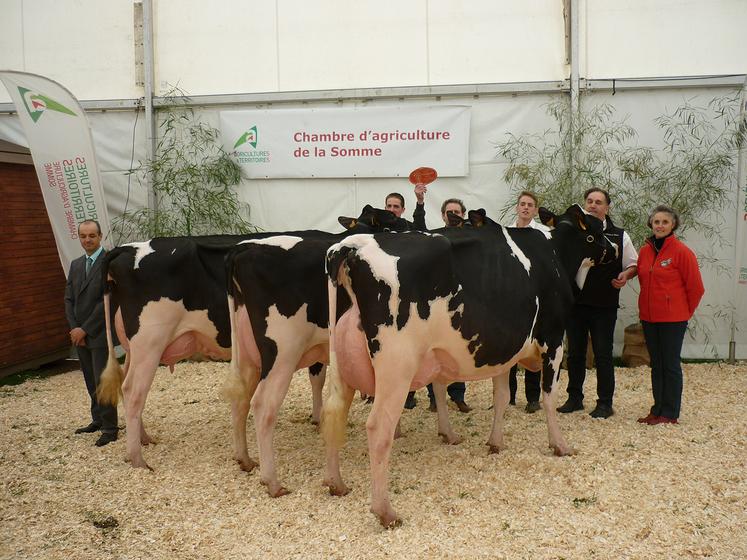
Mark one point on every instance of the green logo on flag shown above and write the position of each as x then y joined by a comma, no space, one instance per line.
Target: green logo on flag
36,104
249,137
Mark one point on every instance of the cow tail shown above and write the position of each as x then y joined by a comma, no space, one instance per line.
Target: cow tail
110,383
334,412
234,387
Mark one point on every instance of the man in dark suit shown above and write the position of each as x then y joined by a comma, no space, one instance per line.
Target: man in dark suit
84,309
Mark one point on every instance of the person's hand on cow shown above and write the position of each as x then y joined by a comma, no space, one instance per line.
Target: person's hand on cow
420,190
78,336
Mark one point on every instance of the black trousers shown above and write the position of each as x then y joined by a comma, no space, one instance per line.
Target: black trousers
599,322
531,384
664,343
92,362
455,390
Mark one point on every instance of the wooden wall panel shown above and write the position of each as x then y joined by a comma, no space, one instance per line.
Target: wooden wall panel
32,284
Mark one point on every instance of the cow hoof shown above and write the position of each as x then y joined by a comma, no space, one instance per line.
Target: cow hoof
145,438
389,520
140,464
337,489
562,451
452,439
494,449
274,489
281,491
247,465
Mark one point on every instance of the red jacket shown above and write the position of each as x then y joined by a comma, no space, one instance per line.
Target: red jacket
671,286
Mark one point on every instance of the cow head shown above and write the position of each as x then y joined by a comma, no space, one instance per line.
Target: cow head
579,239
373,220
478,218
456,221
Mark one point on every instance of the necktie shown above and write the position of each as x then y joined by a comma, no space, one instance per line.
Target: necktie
89,264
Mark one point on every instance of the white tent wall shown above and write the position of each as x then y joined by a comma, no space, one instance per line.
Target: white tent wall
237,47
662,38
297,45
234,46
712,323
86,45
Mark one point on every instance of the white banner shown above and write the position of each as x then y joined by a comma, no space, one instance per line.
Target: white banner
60,142
362,142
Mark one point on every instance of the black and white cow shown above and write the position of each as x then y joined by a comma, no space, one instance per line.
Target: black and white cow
278,289
464,304
170,297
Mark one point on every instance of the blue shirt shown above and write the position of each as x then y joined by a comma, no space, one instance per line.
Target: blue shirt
95,255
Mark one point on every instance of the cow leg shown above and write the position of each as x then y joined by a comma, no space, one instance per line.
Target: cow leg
552,368
444,426
317,384
248,377
145,439
135,389
500,402
266,403
380,428
334,425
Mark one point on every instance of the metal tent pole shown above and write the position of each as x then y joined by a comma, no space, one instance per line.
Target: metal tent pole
149,76
739,248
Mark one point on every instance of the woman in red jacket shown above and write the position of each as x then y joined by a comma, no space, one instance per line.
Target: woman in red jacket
671,288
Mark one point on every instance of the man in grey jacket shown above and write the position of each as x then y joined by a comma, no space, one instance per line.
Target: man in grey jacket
84,309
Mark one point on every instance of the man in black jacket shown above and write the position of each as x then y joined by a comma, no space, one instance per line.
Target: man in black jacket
595,313
395,203
84,309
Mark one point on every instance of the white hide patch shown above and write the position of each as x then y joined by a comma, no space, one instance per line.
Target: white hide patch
143,249
166,320
286,242
383,266
582,272
516,252
293,335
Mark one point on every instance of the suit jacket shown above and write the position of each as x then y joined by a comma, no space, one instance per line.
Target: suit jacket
84,300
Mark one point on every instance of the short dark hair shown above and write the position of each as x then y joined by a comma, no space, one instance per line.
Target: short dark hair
530,195
454,200
667,210
597,189
98,225
396,195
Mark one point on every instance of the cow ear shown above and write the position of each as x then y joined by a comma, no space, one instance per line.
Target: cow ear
454,220
347,223
547,217
477,217
578,216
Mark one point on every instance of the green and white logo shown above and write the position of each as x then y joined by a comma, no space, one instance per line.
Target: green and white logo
249,137
36,104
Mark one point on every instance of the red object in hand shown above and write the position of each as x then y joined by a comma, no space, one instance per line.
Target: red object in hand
423,175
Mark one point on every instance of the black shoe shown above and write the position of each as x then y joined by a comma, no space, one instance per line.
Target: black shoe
91,428
571,405
463,406
602,411
106,438
532,407
411,401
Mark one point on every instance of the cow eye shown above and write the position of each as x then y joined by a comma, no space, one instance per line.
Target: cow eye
590,238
